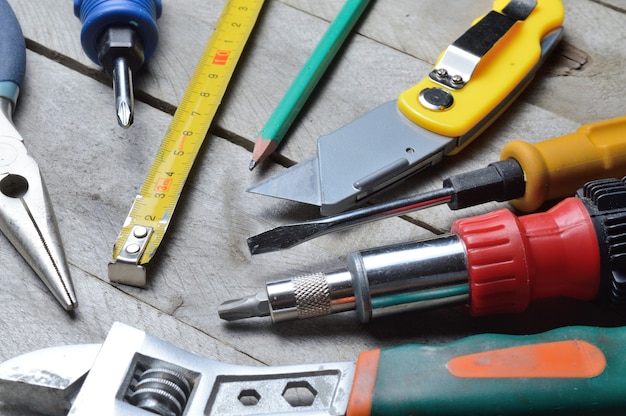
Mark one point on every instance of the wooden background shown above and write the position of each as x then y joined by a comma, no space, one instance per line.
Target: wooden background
93,169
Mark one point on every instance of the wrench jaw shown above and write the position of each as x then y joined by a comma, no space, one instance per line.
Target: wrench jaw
46,381
136,371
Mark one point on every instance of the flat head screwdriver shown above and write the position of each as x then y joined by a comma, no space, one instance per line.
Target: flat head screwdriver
527,175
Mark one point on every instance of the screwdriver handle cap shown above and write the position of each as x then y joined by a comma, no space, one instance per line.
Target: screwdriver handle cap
556,168
98,15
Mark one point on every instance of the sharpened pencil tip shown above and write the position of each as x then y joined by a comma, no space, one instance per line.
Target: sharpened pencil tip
252,164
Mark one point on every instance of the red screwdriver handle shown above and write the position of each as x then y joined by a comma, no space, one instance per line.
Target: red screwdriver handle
512,260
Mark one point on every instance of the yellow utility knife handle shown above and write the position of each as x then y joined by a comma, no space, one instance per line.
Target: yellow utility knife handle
557,167
497,75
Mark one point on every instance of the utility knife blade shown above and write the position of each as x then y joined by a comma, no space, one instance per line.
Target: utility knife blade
474,80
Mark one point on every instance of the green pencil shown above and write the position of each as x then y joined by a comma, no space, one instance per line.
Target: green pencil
292,102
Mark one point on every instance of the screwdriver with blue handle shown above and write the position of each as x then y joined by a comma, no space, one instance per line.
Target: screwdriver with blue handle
26,215
119,35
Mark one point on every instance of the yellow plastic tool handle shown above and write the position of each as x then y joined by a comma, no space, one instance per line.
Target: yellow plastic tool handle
557,167
498,75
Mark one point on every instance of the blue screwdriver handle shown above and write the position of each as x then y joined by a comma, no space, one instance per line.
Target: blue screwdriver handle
98,15
13,52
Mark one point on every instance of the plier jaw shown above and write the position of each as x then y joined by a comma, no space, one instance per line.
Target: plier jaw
26,215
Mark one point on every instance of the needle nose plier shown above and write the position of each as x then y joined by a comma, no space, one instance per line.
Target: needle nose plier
26,215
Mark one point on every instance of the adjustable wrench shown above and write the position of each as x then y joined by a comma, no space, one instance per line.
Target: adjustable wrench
572,370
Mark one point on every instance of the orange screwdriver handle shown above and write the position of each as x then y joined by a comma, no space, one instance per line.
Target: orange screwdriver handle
556,168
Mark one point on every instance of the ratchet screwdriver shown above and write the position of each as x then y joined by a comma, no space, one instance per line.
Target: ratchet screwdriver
527,175
495,263
119,35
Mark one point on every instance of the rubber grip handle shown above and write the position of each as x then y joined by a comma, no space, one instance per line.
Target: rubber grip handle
572,371
558,167
13,49
98,15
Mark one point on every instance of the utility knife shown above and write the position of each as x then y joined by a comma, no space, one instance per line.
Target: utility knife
474,80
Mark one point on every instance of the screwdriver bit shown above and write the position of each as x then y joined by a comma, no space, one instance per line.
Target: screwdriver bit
121,53
119,35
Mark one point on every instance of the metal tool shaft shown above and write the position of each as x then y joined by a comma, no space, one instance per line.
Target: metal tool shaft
287,236
500,181
376,282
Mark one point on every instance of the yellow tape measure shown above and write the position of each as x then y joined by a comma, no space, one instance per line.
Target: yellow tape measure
153,208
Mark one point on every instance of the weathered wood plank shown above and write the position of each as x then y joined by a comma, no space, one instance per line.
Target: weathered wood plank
367,73
93,170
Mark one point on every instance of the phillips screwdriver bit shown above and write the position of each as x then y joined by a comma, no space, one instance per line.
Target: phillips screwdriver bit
119,35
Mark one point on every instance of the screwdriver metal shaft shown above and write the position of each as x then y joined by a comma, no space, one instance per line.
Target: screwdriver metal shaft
123,90
500,181
287,236
121,52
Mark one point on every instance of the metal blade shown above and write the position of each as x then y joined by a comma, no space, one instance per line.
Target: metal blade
299,183
356,161
377,151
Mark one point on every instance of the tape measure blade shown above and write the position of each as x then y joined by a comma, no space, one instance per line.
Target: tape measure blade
154,207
